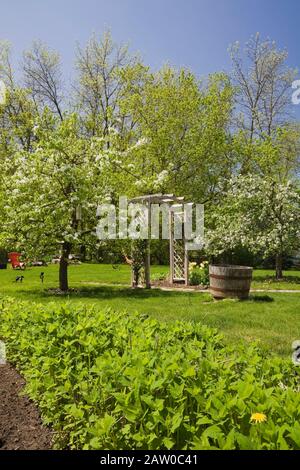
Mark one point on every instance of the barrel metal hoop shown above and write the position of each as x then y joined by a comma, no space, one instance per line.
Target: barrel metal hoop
229,278
219,289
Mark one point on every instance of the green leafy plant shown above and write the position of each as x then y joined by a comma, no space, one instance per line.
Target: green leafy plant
119,380
199,275
159,276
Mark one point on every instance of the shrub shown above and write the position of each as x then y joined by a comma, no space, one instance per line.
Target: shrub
117,380
160,276
199,275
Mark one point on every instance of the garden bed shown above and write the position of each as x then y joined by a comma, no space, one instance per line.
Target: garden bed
107,379
20,423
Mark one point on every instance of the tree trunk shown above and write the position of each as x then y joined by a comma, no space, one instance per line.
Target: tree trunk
83,253
136,277
63,267
147,265
279,274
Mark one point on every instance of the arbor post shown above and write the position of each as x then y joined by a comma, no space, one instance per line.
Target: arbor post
147,262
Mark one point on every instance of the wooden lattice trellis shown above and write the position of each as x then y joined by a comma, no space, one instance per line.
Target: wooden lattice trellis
178,251
179,269
178,261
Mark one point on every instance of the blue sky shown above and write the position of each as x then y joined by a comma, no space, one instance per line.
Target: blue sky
191,33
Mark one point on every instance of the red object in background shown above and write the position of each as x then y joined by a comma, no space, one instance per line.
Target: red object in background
15,260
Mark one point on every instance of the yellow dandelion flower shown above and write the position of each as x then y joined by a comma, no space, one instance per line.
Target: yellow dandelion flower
258,418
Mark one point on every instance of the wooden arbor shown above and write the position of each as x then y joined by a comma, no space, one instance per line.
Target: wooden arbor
179,260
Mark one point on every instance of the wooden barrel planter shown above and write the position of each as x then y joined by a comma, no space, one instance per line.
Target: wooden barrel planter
230,281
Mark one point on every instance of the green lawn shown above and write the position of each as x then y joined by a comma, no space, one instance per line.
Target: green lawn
271,319
265,279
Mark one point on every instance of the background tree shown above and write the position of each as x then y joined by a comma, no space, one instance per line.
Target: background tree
181,131
136,132
99,87
258,214
43,77
263,86
18,114
53,195
274,156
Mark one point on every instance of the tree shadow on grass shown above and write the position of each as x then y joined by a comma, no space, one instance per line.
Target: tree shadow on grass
261,298
273,280
106,292
251,298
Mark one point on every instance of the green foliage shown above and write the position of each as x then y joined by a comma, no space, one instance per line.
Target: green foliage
161,276
181,131
106,379
199,275
48,187
276,154
274,325
259,213
195,277
136,131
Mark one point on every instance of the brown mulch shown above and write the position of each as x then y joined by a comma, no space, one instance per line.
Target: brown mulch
20,423
179,286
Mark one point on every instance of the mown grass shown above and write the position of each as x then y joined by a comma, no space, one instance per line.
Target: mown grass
265,279
271,319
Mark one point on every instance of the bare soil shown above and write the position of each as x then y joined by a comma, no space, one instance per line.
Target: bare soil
20,423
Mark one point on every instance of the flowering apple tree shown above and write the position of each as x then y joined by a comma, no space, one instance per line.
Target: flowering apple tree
53,193
259,213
